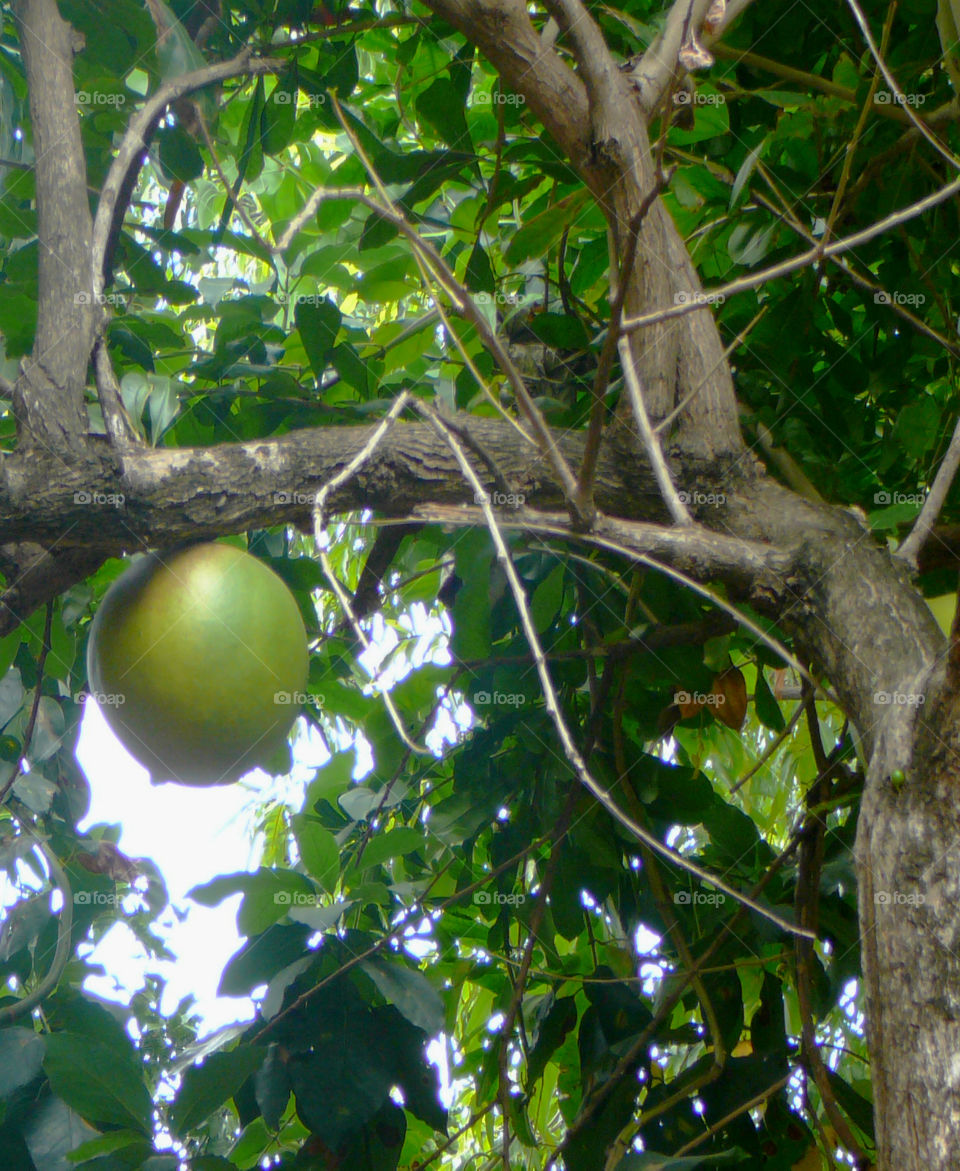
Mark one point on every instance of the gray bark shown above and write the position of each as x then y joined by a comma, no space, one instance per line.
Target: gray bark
67,502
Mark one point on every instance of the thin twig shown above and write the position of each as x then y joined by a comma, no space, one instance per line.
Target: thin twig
692,305
570,749
675,506
464,304
910,549
319,536
895,89
591,449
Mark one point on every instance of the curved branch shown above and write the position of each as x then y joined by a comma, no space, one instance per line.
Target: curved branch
135,140
61,955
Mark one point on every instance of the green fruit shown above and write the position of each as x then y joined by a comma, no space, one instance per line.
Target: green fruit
197,659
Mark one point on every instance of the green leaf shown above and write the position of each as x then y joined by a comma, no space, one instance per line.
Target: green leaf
207,1086
441,106
768,710
21,1058
539,234
100,1083
272,1086
279,114
547,599
318,323
259,960
560,330
319,851
409,991
393,844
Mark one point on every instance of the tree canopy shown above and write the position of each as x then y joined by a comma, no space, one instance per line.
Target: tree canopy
601,363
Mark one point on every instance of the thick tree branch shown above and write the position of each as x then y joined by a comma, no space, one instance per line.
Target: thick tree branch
617,169
49,401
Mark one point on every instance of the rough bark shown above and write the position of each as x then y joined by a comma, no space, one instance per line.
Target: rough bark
66,502
908,853
614,161
49,395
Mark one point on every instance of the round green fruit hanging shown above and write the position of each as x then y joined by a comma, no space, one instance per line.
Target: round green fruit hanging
198,659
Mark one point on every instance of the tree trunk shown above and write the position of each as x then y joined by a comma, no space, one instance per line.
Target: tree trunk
908,851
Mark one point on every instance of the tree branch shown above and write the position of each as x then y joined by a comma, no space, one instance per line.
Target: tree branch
137,135
755,280
49,401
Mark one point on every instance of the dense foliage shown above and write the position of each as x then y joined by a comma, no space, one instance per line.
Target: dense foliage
593,997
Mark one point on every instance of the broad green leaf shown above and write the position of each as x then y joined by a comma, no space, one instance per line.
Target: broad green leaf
98,1082
207,1086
